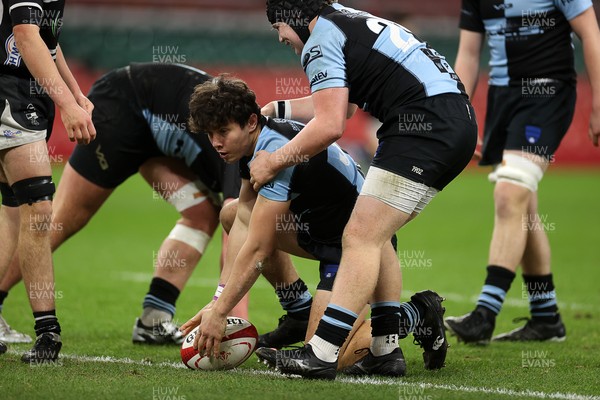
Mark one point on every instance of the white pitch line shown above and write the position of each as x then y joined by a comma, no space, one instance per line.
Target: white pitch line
355,381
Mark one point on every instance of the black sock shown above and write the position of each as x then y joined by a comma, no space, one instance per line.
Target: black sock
162,296
385,318
410,317
295,299
46,321
542,298
494,290
3,295
335,325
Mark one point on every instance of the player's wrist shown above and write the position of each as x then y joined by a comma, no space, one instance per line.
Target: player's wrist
283,109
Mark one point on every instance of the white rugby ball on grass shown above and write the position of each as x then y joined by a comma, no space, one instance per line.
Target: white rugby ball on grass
237,345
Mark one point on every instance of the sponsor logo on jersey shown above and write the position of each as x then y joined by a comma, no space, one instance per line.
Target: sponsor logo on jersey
318,77
506,6
312,54
13,57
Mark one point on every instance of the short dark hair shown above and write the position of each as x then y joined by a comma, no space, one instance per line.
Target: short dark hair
220,101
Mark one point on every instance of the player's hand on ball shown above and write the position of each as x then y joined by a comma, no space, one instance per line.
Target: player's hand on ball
261,170
211,332
78,123
195,320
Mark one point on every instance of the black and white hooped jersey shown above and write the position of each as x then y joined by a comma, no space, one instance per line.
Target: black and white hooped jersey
528,39
381,63
47,14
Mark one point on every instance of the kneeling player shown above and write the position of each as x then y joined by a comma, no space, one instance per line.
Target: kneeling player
318,196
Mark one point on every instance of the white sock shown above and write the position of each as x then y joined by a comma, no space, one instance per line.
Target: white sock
324,350
382,345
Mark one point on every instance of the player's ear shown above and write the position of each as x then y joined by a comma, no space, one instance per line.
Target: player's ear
252,122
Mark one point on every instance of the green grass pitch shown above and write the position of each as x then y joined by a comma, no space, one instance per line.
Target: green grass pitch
103,273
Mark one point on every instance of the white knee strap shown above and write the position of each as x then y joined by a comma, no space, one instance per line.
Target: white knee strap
190,236
519,171
191,195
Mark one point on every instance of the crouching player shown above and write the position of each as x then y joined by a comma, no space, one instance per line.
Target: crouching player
318,194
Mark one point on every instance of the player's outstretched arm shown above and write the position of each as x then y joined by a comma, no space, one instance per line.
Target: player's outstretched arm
67,75
327,126
585,26
301,109
41,65
252,258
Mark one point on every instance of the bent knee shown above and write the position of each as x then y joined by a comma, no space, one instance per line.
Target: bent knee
227,215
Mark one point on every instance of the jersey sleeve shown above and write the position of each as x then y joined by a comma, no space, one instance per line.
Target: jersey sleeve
245,168
323,58
279,189
26,12
470,16
572,8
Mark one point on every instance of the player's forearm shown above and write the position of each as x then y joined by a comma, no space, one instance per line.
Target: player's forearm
591,52
246,270
66,74
235,241
467,69
40,64
313,139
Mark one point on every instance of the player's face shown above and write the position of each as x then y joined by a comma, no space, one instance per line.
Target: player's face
289,37
233,141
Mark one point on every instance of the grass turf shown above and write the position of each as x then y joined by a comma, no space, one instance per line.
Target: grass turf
103,273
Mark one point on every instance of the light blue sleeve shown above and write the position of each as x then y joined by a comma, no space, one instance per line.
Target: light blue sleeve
279,188
572,8
323,57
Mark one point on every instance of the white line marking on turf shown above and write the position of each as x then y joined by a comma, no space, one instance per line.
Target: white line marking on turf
355,381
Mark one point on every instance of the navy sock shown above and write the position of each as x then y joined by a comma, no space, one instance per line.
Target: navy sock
162,296
46,321
336,324
295,299
494,290
542,297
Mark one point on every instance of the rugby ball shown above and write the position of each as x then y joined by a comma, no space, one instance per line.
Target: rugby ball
237,345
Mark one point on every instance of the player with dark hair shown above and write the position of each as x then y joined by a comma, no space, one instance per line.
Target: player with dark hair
531,101
351,59
302,211
34,76
141,116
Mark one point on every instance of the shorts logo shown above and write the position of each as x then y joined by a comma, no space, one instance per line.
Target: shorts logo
101,158
11,134
312,54
31,115
533,133
13,57
417,170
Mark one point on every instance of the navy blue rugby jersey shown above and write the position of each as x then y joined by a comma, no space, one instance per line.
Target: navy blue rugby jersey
319,189
47,14
383,64
527,38
163,94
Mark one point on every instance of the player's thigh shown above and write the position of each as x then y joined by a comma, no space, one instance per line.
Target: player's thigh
75,203
178,185
287,241
27,161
